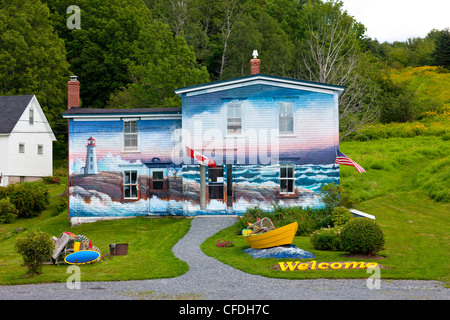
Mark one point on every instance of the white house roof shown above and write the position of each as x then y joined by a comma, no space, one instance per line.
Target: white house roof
11,109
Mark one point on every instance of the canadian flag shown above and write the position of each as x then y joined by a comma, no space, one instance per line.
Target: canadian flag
200,158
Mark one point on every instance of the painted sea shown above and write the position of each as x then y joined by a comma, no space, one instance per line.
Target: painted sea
253,185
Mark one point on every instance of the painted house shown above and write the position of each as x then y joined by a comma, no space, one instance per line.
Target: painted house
266,139
26,140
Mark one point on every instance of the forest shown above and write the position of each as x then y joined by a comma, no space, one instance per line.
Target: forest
134,53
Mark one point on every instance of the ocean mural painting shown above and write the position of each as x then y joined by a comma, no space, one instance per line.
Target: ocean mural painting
271,139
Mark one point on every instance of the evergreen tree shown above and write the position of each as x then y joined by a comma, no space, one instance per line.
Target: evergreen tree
441,53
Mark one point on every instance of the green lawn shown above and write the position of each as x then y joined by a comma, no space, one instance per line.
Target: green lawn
401,175
417,240
149,255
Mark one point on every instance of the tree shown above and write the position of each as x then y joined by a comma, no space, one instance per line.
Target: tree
99,53
332,53
161,62
33,60
441,53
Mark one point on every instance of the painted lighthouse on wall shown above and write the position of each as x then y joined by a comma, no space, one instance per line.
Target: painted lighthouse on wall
91,157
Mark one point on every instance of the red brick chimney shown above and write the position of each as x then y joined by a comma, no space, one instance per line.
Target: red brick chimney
255,63
73,92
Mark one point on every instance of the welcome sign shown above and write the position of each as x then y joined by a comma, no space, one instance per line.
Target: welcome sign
313,265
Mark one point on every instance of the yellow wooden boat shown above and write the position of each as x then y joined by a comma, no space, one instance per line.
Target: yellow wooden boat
273,238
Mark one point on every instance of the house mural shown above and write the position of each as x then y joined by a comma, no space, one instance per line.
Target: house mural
271,139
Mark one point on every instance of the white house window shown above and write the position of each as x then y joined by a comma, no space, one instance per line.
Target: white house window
31,116
286,178
234,117
286,117
21,147
130,135
40,149
130,185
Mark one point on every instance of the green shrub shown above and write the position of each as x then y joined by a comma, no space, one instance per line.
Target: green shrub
341,216
333,195
362,235
35,247
8,212
327,239
29,198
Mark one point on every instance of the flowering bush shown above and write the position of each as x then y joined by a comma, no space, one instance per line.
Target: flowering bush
224,244
51,180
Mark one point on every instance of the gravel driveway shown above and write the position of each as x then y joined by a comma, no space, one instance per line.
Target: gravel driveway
210,279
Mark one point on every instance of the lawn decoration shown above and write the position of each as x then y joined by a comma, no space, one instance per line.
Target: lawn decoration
266,235
82,257
78,247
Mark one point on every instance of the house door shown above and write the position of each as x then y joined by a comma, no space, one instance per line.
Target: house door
215,183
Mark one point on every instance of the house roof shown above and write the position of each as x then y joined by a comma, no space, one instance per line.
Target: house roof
11,109
259,79
78,110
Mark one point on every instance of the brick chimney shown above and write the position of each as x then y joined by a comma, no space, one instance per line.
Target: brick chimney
73,92
255,63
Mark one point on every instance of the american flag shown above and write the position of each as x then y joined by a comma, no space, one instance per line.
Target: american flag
200,158
343,159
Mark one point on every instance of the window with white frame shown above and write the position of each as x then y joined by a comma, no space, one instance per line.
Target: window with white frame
40,149
234,118
31,116
130,184
287,178
286,117
130,135
21,147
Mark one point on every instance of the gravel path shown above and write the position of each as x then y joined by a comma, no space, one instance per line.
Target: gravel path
210,279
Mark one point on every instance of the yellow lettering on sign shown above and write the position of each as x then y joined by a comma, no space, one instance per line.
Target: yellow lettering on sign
323,266
289,266
336,266
303,266
371,265
354,265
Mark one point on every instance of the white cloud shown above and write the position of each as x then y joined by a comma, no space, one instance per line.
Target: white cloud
398,20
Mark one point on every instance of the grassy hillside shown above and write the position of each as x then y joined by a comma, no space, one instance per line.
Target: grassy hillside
432,87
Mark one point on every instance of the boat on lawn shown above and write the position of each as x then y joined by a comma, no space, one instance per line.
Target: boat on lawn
265,235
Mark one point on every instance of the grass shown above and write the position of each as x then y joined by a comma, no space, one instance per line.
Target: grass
149,255
417,240
397,189
402,176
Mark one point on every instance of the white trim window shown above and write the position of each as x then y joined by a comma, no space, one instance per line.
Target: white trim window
130,135
286,117
130,184
31,116
40,149
234,118
21,147
287,184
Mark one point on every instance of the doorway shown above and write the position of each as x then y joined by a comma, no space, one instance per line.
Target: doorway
229,187
215,183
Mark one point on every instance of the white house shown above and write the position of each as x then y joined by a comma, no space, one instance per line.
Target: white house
26,140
